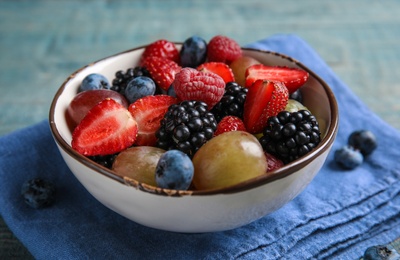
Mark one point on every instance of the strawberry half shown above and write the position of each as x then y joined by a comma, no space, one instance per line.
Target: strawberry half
162,70
219,68
264,99
191,84
107,128
163,49
148,112
229,123
293,78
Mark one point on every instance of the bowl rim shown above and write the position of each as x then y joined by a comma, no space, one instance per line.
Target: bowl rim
280,173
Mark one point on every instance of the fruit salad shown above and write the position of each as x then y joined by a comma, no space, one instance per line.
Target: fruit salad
204,116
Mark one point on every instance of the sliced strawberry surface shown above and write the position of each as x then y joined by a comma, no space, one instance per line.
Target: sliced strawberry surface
162,48
107,128
264,99
148,112
219,68
229,123
293,78
162,70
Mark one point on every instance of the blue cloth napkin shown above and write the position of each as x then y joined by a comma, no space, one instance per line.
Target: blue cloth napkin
337,216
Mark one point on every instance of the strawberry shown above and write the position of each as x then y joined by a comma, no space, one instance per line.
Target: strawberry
293,78
148,112
219,68
229,123
107,128
163,49
264,99
273,162
161,70
191,84
223,49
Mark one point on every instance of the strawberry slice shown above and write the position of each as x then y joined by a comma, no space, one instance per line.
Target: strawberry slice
229,123
264,99
162,48
107,128
148,112
293,78
162,70
219,68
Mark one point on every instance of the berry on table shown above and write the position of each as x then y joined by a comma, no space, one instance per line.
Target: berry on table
223,49
148,112
163,49
162,70
174,170
289,136
380,252
363,140
191,84
94,81
293,78
231,103
186,127
107,128
139,87
348,157
264,99
193,52
38,193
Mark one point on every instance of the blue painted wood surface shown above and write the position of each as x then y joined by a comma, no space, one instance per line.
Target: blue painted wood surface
42,42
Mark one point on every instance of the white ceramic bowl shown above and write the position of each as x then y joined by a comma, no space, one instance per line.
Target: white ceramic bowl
195,211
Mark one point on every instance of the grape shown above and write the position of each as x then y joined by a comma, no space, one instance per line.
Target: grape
228,159
84,101
294,106
239,67
138,163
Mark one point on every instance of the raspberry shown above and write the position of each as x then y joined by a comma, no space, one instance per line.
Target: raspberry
232,103
186,127
289,136
223,49
191,84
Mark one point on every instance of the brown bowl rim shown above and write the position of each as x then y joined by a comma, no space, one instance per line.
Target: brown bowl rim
280,173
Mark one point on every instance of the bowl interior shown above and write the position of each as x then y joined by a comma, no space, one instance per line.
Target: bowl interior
317,97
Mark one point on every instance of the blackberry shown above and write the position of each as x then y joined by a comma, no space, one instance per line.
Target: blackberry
122,78
290,135
231,103
104,160
186,127
38,193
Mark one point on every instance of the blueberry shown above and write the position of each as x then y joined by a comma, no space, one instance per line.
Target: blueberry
363,140
171,91
348,157
174,170
379,253
193,52
139,87
297,95
38,193
94,81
